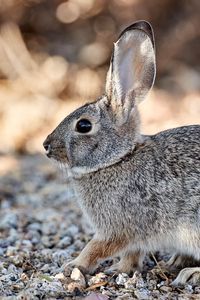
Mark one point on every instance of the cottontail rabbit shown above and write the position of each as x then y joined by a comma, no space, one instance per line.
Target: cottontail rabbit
141,193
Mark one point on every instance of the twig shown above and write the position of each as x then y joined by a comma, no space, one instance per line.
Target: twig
157,263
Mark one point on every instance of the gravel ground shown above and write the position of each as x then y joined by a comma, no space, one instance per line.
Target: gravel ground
41,228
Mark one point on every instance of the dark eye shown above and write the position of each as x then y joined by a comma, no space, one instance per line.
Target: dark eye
83,126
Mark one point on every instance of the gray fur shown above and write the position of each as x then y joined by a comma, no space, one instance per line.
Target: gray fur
142,188
152,195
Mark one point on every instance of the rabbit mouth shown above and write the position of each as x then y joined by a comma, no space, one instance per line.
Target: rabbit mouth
55,149
58,154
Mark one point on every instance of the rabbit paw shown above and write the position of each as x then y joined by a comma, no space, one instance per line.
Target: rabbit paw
119,268
174,261
181,261
192,274
83,267
112,269
69,266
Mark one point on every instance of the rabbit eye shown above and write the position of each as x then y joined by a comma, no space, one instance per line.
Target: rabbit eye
83,126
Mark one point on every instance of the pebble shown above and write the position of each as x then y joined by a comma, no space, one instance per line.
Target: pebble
60,257
26,244
142,294
60,276
99,277
122,279
24,277
197,290
96,296
8,220
189,288
46,268
72,230
35,226
46,254
166,289
64,242
49,228
78,277
125,296
49,241
11,250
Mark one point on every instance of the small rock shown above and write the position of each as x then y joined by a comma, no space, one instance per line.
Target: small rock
125,296
75,287
97,278
46,255
60,257
105,291
11,251
64,242
197,289
24,277
165,288
35,240
72,230
152,284
189,288
49,228
139,282
13,235
26,244
78,244
13,277
35,227
95,296
12,268
142,294
130,284
78,277
49,241
60,276
46,268
9,220
17,260
122,279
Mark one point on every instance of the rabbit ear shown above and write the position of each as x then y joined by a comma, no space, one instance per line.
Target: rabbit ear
132,68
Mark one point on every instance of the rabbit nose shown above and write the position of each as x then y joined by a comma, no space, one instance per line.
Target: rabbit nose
47,147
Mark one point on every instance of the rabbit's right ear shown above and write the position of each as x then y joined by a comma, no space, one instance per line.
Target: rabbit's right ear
132,69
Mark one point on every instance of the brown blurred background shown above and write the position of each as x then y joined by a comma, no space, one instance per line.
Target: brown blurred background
54,55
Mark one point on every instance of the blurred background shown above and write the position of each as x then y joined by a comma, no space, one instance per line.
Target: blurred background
54,56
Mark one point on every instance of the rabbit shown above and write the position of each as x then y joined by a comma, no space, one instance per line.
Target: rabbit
141,193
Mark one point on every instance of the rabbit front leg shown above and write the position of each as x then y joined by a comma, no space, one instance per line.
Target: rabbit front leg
95,250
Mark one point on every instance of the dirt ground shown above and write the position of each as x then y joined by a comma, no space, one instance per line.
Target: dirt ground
41,228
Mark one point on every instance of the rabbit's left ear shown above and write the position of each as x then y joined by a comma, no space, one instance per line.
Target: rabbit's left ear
132,68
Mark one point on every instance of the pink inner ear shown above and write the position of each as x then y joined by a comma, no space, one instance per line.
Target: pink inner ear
126,75
132,64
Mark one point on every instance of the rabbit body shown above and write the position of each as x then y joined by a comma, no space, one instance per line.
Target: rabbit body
151,196
141,193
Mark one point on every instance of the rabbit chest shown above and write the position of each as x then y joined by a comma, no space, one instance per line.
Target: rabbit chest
116,200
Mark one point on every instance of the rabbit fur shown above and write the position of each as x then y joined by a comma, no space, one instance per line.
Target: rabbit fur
140,193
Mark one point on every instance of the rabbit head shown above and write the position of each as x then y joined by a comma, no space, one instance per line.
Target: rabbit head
103,132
